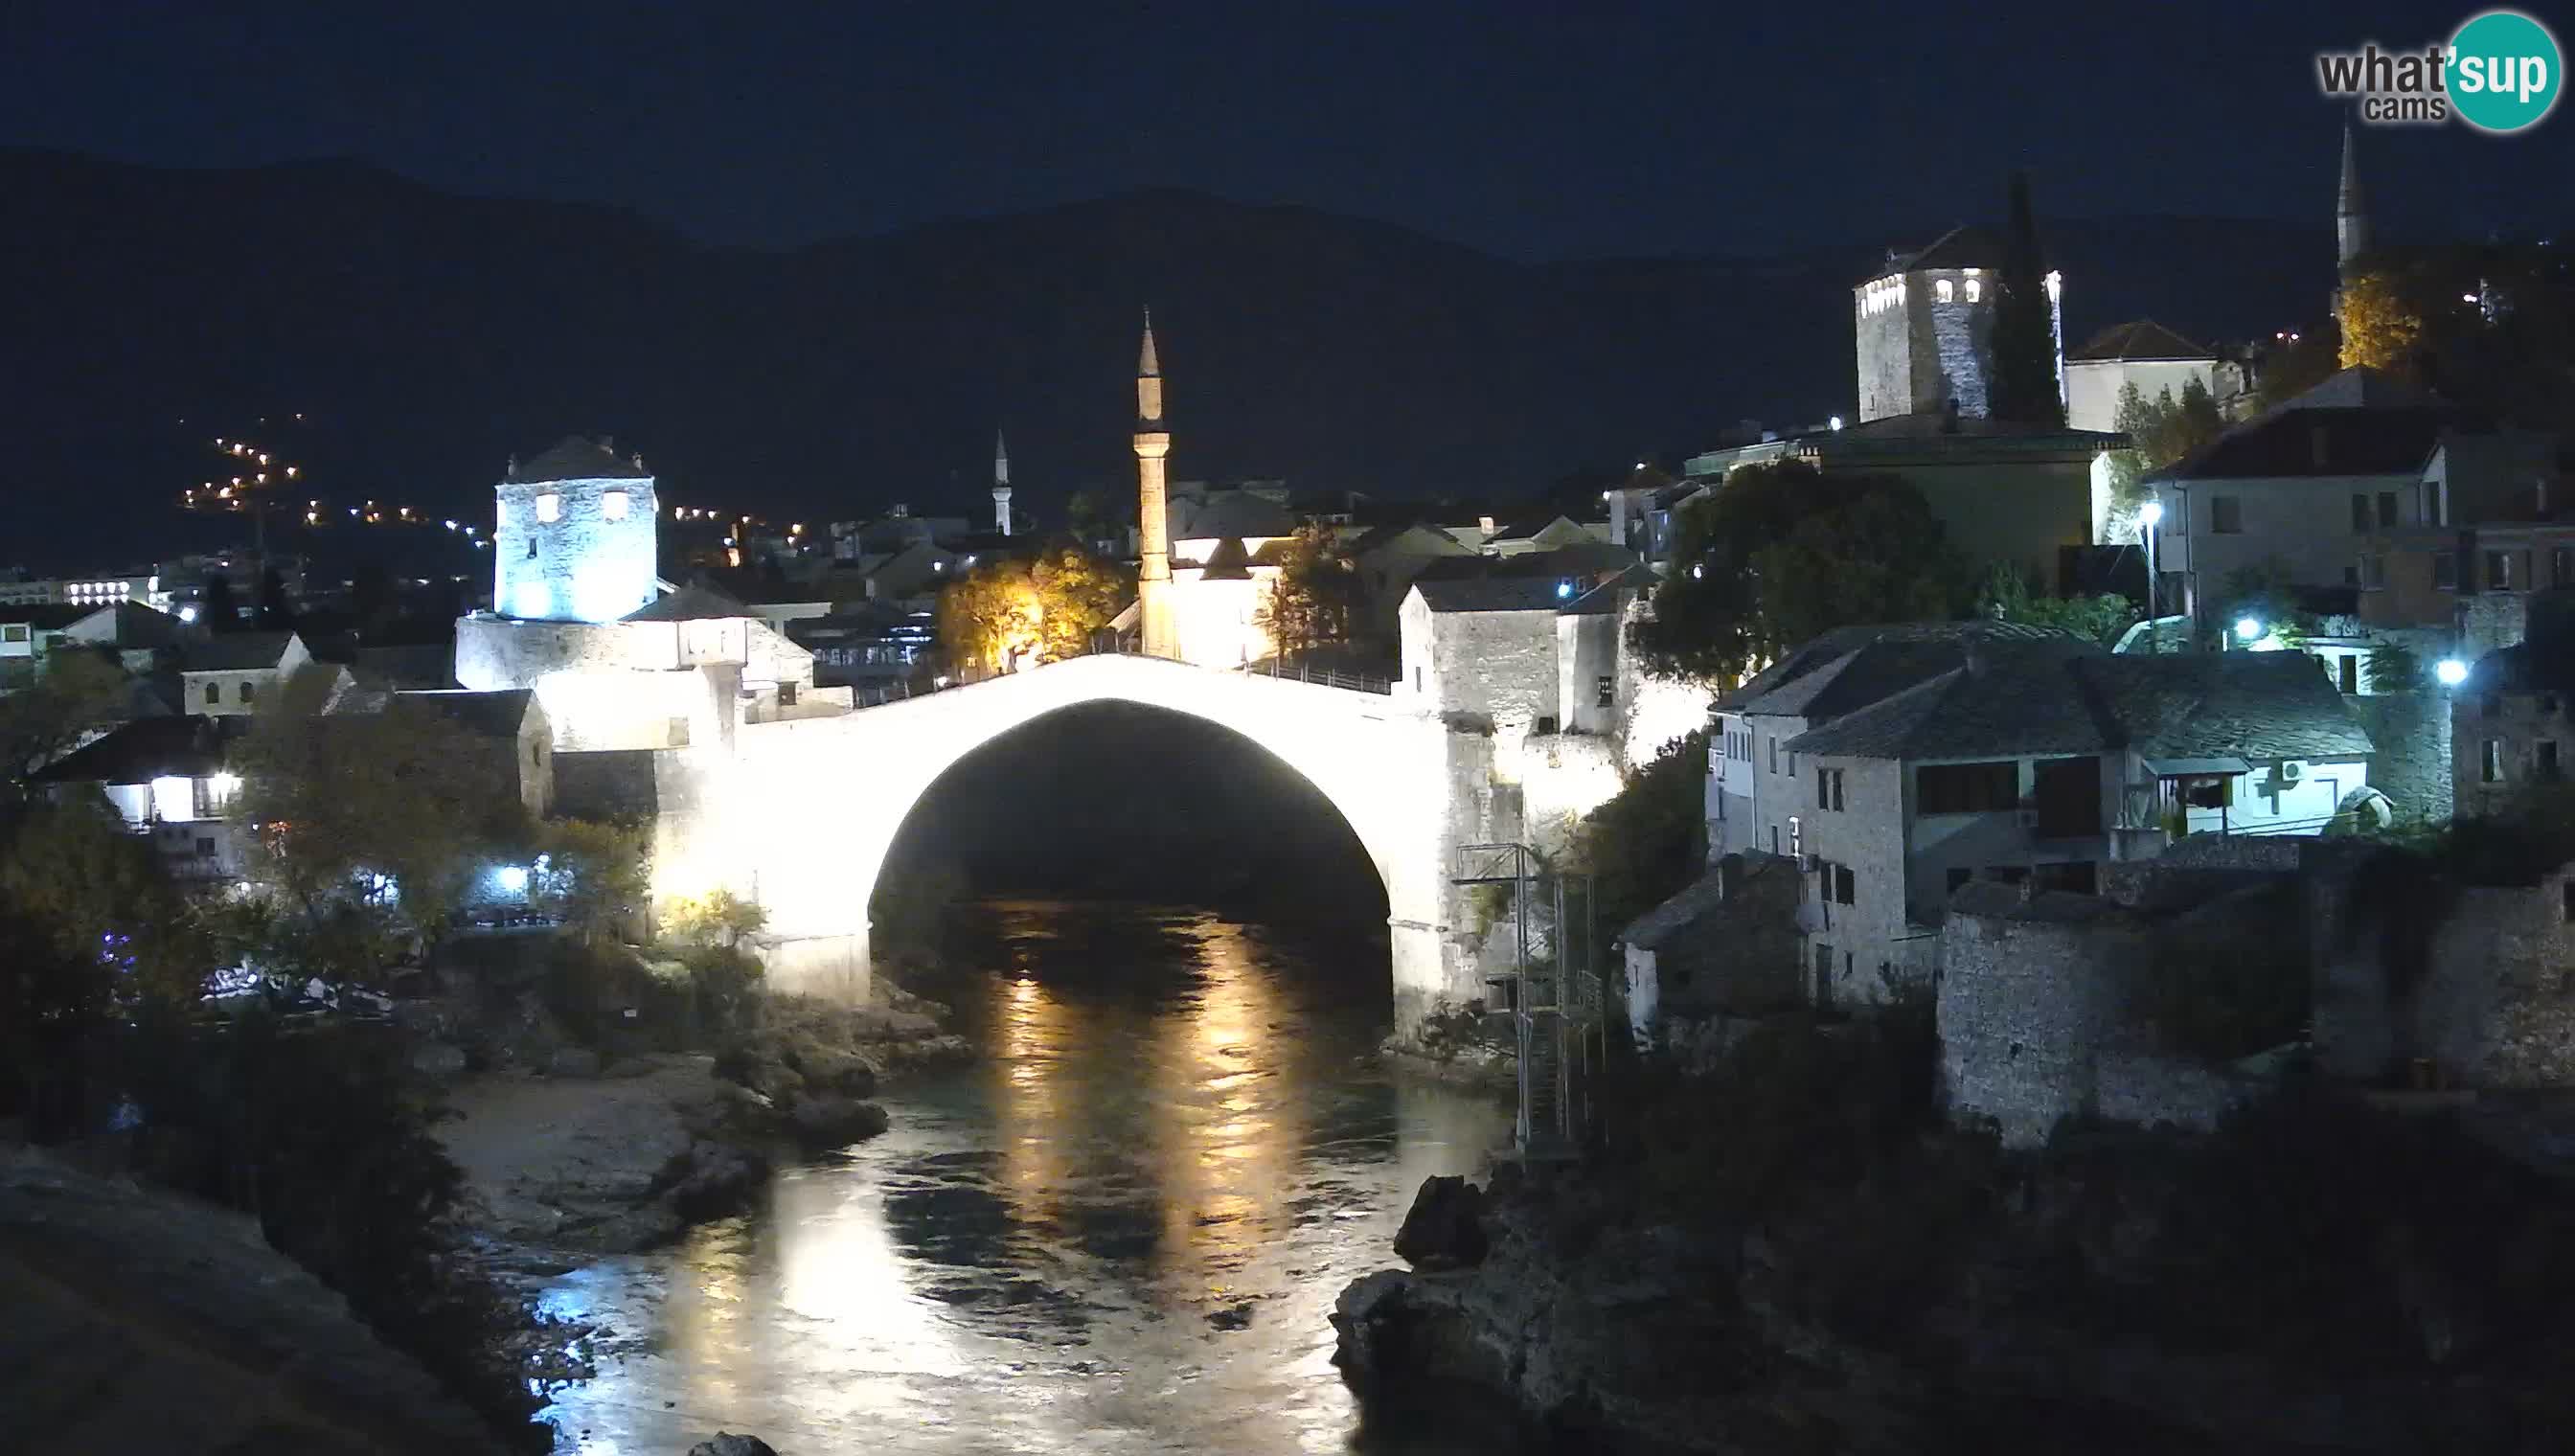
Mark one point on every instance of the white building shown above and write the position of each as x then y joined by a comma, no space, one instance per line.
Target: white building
2142,353
575,534
168,778
231,673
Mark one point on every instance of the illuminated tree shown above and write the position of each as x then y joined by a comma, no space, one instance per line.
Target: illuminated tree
1077,594
594,874
1315,600
2380,327
2159,433
988,618
716,918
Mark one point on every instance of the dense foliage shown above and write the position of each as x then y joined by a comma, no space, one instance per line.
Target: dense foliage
1315,602
1649,839
2100,618
2025,385
1015,612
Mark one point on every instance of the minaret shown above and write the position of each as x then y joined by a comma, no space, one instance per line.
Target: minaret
1001,483
2351,210
1160,636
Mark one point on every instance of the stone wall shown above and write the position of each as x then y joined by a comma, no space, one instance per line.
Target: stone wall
2028,1001
580,565
1961,334
1885,349
2496,1008
1563,777
2516,723
2412,765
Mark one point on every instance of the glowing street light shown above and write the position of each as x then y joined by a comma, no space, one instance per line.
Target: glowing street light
2451,672
2248,629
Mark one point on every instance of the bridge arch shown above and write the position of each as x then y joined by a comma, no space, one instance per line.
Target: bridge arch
802,815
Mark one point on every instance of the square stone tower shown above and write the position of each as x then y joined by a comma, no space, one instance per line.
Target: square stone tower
1924,329
577,536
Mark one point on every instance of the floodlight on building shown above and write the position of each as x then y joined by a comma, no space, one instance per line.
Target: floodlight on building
2152,513
2248,629
1563,590
2451,672
513,879
187,614
224,785
1837,421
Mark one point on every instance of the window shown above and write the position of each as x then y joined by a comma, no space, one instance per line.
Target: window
1828,788
612,505
532,548
2067,792
2209,790
2561,566
1945,290
550,506
1416,680
1774,839
1797,835
1774,756
14,632
677,734
2348,673
2360,515
2499,570
1845,886
2544,759
1957,788
205,845
1975,288
2490,762
2387,507
249,691
1543,725
2225,515
214,694
787,694
1605,690
2445,571
1823,976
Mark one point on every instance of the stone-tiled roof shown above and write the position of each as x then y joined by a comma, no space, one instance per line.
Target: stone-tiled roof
1491,593
2355,423
2015,700
2141,340
1378,535
1604,598
189,746
690,604
1696,901
1757,696
235,651
1229,562
1996,900
1961,247
1227,513
577,458
1581,561
498,713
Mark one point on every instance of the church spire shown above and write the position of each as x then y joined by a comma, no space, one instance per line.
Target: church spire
2351,208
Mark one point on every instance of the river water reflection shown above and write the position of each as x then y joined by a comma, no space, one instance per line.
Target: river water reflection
1120,1231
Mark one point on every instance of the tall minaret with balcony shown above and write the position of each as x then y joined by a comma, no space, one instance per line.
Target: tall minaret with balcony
2352,211
1001,483
1159,634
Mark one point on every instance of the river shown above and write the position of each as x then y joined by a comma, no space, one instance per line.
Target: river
1120,1230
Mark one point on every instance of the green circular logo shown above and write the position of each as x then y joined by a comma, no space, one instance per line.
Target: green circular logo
2504,71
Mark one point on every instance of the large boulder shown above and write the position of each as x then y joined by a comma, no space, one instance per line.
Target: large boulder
831,1120
727,1443
1362,1319
1444,1228
714,1180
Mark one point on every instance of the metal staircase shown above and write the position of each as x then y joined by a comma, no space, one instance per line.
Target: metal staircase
1553,992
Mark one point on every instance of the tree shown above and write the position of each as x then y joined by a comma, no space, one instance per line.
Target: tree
1314,602
2006,597
80,692
717,918
370,833
216,608
102,896
593,875
2026,388
1077,594
2159,433
273,614
1644,843
2380,326
988,618
1751,578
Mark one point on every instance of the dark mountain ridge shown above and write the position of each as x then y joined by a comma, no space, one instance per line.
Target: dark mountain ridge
427,336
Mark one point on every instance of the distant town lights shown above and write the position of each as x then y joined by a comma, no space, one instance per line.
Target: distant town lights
2451,672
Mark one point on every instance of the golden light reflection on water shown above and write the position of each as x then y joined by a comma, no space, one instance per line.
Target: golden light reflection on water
1222,1112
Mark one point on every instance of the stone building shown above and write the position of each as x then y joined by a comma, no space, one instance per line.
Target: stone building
2141,353
575,534
2510,729
1925,324
231,674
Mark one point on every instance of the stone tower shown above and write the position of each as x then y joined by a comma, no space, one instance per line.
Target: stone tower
2351,210
576,536
1923,328
1159,635
1001,483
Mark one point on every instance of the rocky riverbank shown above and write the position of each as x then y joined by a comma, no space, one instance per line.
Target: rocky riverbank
1787,1255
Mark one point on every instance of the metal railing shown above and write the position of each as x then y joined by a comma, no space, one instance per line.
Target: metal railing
1325,678
1555,1000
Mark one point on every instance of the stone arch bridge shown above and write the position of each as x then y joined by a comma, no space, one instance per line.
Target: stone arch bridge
800,814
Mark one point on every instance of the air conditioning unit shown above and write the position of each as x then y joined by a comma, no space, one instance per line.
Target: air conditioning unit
2291,771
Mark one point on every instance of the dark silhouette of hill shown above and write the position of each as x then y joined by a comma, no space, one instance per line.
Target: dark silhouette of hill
427,336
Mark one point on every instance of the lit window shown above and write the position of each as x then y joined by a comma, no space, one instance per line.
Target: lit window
550,506
612,505
1975,288
1943,289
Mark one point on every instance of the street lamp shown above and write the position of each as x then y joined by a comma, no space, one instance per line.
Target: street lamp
2149,517
2451,672
2248,629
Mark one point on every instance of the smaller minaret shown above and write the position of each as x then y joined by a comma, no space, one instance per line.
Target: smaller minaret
1001,483
2351,210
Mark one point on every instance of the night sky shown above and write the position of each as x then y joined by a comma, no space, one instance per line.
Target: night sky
1533,132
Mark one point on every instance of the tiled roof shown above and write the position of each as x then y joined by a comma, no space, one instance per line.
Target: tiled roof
2355,423
1583,560
1227,562
1808,656
690,604
1491,593
499,714
2139,339
147,748
1524,529
1377,536
1604,598
2018,701
575,458
1699,899
1963,247
235,651
1227,513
